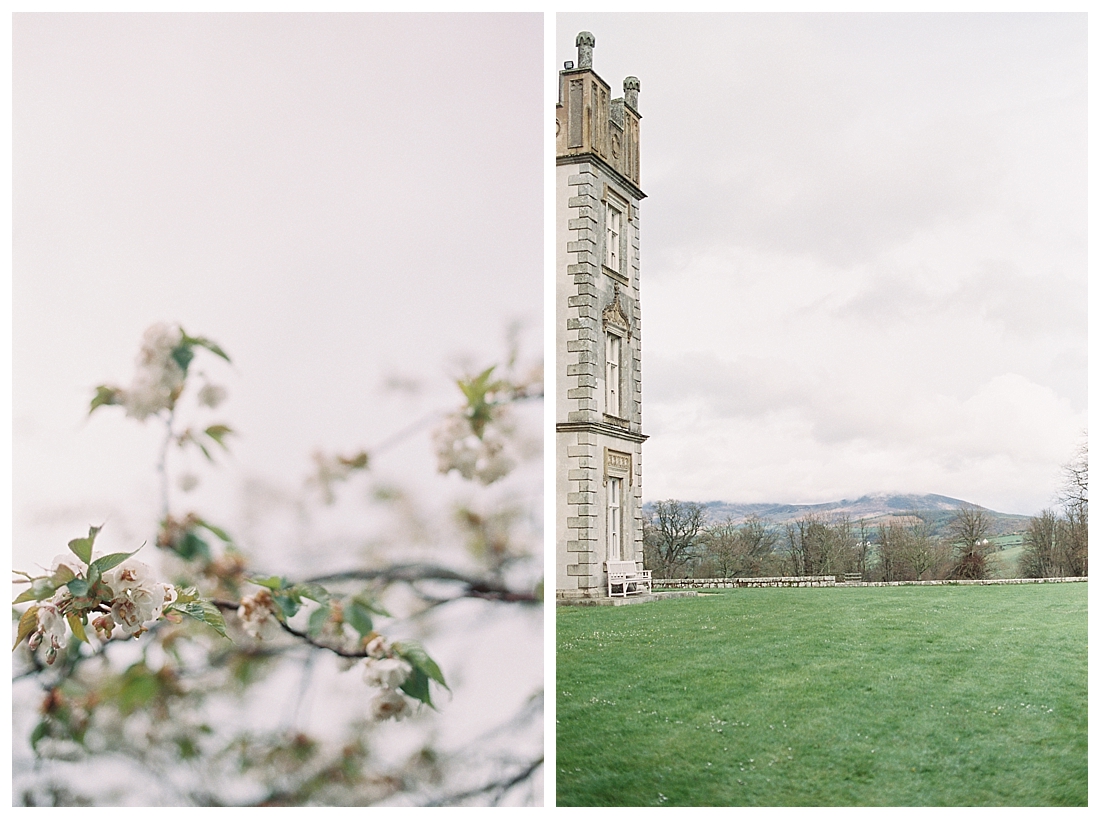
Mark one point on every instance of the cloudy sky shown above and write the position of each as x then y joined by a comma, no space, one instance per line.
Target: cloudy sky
863,251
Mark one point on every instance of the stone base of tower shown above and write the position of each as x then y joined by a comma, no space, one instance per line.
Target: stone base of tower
598,478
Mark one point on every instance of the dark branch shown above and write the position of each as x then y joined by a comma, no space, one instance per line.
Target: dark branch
500,786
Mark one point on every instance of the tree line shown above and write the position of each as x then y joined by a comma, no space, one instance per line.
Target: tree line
680,542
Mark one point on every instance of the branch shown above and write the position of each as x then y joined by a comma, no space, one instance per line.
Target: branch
474,587
500,786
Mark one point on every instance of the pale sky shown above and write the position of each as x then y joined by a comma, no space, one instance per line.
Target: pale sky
335,199
863,251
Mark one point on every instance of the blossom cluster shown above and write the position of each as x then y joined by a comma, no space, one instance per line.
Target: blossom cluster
385,670
486,457
257,615
159,378
383,667
162,363
126,597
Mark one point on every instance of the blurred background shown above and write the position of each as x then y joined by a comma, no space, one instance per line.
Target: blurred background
351,206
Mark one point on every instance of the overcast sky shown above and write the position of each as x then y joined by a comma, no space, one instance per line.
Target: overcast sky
863,251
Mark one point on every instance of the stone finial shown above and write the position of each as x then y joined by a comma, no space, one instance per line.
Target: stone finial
586,41
631,87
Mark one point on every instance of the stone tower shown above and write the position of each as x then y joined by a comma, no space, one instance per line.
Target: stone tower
599,388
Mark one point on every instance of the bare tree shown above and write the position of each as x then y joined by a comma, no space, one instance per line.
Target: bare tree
720,548
734,550
908,550
1038,557
817,546
1071,551
673,535
968,532
1075,485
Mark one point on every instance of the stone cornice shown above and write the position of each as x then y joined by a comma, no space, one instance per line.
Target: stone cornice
578,159
601,429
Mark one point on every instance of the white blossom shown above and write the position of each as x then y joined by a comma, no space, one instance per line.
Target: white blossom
211,395
139,599
378,648
130,574
387,673
104,626
485,459
158,376
138,609
257,615
51,624
389,704
187,481
68,561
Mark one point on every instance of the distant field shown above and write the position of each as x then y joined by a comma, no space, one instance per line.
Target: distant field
912,695
1006,563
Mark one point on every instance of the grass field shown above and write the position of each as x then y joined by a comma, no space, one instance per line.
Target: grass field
910,695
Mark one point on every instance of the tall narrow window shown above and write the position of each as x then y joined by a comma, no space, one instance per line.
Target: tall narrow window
611,374
614,234
614,518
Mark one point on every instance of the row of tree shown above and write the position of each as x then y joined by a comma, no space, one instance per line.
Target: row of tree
680,542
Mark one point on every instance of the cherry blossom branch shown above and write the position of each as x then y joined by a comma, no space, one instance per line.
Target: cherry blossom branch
475,587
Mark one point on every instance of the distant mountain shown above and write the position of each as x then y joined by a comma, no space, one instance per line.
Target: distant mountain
875,509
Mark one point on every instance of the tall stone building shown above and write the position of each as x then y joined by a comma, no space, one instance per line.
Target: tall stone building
599,387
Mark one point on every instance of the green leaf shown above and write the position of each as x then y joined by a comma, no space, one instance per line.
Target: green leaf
216,530
191,546
63,575
82,547
104,396
416,686
205,612
26,597
41,588
140,686
28,624
183,354
274,583
370,604
188,595
311,591
94,575
217,433
318,619
39,733
287,603
212,616
417,657
208,344
358,617
77,626
78,586
360,461
108,562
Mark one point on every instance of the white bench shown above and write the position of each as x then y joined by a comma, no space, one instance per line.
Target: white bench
625,575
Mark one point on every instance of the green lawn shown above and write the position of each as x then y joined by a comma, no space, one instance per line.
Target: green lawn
910,695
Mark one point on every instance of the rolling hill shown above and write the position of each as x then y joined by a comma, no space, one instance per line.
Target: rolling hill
875,509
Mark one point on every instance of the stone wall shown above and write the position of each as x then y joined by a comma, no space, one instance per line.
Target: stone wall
830,580
742,582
